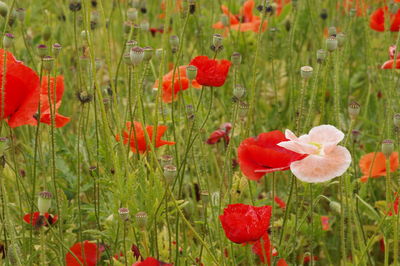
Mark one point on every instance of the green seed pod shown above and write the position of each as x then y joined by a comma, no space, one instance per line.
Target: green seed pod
387,148
331,43
8,40
56,49
124,214
129,45
148,53
132,14
191,72
166,159
321,55
42,50
3,9
332,31
144,25
217,41
174,42
354,110
341,37
46,34
159,53
44,201
21,14
306,72
170,173
239,91
236,58
136,54
48,63
141,220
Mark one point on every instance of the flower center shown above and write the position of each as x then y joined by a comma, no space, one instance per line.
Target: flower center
320,148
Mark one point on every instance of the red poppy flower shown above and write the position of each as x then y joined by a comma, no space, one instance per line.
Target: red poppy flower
181,83
377,19
21,91
151,262
245,223
89,258
34,219
260,155
280,202
221,133
389,64
211,72
263,249
325,223
137,139
395,206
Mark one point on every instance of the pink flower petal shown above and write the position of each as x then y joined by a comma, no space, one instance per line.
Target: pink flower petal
316,168
299,147
327,135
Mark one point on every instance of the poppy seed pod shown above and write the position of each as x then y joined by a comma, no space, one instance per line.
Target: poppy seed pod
217,41
124,214
243,108
21,14
306,72
332,31
331,43
48,63
84,97
321,55
191,72
44,201
159,53
3,9
236,58
396,120
324,14
174,42
56,49
239,91
204,196
94,19
144,25
387,148
127,27
169,173
166,159
355,135
136,54
141,220
131,14
42,50
127,59
129,45
335,206
341,37
354,109
8,40
148,53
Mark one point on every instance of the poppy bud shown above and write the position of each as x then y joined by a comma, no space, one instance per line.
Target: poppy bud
141,220
341,37
335,206
46,34
21,14
355,135
127,59
44,201
75,5
42,50
332,31
396,120
225,20
324,14
159,53
48,63
148,53
192,6
174,42
236,58
136,54
8,40
217,41
331,43
387,148
169,173
3,9
56,49
144,25
239,91
306,72
191,72
354,110
131,14
166,159
321,55
84,97
124,214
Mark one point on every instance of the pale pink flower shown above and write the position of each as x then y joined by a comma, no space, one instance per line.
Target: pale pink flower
325,161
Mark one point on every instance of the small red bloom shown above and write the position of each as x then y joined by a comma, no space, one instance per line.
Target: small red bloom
280,202
181,83
153,31
151,262
211,72
307,259
245,223
89,258
325,223
137,139
33,219
221,133
377,19
260,155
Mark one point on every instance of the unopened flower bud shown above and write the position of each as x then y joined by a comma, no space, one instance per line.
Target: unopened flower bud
387,147
355,135
21,14
321,55
191,72
217,41
8,40
341,37
174,42
332,31
84,97
331,43
48,63
141,220
166,159
335,206
324,14
137,54
396,120
239,91
236,58
3,9
124,214
42,50
170,173
46,34
131,14
225,20
159,53
44,201
354,110
306,72
148,53
75,5
56,49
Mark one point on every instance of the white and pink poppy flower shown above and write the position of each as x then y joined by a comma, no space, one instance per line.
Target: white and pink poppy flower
325,161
